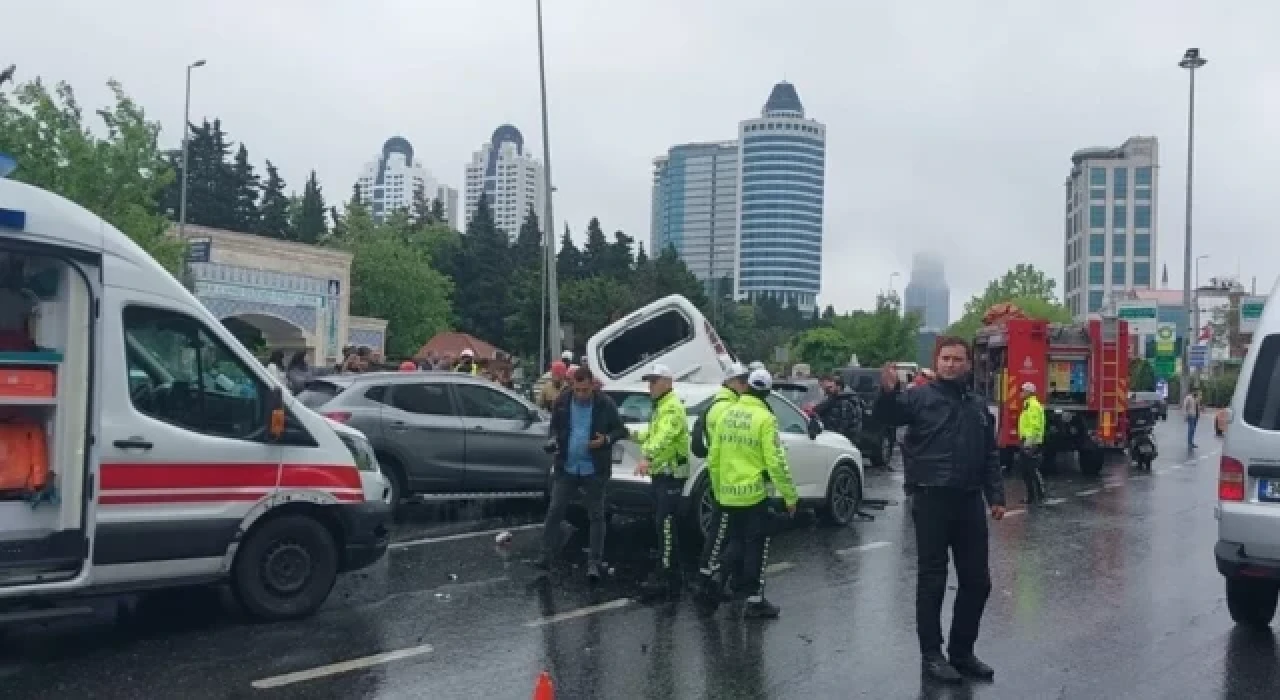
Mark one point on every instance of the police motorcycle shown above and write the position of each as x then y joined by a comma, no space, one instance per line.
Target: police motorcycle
1142,444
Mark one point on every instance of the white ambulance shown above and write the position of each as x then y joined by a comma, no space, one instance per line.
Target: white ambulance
142,446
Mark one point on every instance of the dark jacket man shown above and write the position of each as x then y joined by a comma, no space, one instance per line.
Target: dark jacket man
604,421
950,439
841,412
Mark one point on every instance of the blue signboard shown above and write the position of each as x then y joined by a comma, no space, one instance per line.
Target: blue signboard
1199,356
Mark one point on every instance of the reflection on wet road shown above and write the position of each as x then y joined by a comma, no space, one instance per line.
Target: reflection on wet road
1108,591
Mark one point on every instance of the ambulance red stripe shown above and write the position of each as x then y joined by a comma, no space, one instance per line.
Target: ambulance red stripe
116,499
178,475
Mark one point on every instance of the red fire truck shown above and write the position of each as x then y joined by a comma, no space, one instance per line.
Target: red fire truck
1080,371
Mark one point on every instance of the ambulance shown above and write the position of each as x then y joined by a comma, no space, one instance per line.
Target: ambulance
142,446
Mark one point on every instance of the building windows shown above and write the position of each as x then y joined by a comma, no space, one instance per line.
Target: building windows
1142,194
1119,215
1142,176
1142,216
1097,244
1097,177
1141,247
1119,245
1095,301
1097,216
1117,274
1142,274
1095,273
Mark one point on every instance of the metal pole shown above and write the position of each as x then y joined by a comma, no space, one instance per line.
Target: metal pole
1191,60
553,292
1195,299
182,186
542,323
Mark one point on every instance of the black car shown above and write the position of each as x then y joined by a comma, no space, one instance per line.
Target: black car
1159,407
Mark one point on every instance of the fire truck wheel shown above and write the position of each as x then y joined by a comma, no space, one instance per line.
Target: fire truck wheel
1091,462
286,568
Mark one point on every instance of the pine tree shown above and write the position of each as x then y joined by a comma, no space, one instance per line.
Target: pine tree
569,259
311,225
355,193
275,207
482,272
642,258
437,211
595,252
420,209
247,187
527,251
619,260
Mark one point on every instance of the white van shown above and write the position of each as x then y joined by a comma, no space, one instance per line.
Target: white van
172,456
1248,512
671,330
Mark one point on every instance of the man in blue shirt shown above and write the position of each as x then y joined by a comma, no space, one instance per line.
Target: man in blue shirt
584,427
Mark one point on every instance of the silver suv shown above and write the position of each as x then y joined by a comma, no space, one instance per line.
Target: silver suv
1248,548
442,435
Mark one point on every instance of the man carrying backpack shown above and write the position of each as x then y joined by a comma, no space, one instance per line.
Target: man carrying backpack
841,410
734,386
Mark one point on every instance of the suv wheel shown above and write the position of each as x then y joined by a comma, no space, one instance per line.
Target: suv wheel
844,496
701,506
392,469
286,568
1251,602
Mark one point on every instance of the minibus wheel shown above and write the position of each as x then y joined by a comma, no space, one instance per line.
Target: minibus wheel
285,568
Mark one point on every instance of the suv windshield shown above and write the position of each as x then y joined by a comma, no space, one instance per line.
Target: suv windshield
318,393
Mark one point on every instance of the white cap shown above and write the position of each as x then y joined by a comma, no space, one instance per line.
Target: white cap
1028,386
756,365
658,372
567,356
467,352
760,380
737,371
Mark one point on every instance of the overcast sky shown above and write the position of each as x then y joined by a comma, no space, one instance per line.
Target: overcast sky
950,124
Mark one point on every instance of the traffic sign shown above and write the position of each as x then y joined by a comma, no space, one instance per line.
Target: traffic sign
1199,356
1250,313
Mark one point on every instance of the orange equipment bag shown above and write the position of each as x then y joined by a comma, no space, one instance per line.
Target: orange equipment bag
24,457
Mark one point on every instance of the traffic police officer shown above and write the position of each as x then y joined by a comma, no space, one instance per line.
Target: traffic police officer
745,447
1031,435
665,448
734,386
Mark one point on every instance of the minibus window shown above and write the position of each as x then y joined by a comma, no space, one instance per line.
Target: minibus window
1262,400
634,346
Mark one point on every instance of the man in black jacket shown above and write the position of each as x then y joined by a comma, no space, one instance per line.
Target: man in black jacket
952,463
840,409
584,427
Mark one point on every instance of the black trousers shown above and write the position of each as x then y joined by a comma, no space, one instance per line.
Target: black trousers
668,494
1029,465
740,544
565,487
954,521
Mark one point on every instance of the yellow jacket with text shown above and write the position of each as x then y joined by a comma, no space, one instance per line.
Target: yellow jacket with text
745,446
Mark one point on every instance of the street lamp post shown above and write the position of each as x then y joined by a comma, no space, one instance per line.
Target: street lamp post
548,224
1191,60
1195,300
182,186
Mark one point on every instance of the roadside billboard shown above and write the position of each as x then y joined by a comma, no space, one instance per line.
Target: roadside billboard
1166,344
1250,312
1141,315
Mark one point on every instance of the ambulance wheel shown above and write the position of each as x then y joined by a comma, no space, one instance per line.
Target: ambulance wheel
285,569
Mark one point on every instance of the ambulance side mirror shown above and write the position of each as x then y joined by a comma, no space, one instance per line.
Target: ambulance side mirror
275,414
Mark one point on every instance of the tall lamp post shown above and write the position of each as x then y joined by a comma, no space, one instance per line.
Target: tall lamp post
548,224
182,187
1191,60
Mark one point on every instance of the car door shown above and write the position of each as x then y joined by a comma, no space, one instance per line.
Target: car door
807,459
422,430
504,440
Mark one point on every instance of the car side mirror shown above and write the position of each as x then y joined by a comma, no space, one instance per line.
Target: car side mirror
815,427
275,414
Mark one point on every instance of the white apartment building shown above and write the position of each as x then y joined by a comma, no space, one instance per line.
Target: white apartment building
511,179
389,182
1111,229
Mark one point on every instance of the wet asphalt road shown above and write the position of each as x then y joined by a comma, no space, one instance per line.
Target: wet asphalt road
1110,592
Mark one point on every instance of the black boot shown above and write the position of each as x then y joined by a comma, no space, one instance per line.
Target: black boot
971,666
934,665
761,609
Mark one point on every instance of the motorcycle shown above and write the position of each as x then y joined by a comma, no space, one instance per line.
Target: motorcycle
1142,444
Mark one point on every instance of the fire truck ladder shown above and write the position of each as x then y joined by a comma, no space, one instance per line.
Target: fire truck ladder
1111,379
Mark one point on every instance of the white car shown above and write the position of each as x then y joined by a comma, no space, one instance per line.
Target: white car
826,467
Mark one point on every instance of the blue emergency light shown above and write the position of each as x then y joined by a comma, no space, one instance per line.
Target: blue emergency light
13,219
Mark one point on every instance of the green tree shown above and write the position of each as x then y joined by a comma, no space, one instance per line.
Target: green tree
527,251
824,349
247,187
1025,286
481,274
1034,307
642,257
275,207
595,252
569,260
393,281
437,211
120,176
882,335
619,261
311,224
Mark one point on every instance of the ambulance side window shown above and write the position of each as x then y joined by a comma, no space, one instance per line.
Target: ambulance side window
181,374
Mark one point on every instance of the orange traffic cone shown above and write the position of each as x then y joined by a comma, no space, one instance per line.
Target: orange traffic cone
542,689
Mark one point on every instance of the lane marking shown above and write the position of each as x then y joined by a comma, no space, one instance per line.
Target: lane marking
580,612
1087,492
461,536
779,567
1054,501
340,667
1015,511
862,548
1112,485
